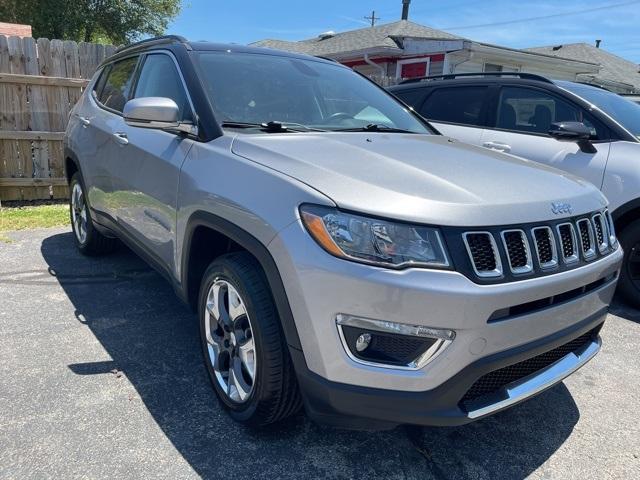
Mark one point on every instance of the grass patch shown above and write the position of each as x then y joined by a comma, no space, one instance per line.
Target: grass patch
41,216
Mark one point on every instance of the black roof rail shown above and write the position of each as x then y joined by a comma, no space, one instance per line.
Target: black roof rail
152,41
449,76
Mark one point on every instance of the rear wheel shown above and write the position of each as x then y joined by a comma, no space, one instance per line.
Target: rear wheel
88,240
629,284
244,349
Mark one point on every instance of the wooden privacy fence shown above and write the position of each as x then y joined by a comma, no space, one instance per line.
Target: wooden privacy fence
40,81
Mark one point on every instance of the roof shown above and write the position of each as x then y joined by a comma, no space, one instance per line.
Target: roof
614,68
172,41
381,37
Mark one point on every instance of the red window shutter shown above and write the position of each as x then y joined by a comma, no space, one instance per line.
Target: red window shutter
413,70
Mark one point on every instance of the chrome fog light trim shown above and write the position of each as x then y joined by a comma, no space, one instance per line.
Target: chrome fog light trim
442,337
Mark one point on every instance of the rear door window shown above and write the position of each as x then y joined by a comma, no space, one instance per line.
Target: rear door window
117,87
460,105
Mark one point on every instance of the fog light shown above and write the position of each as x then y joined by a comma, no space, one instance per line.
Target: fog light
363,342
391,344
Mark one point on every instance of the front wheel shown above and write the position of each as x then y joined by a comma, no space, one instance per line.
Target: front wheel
88,239
244,349
629,284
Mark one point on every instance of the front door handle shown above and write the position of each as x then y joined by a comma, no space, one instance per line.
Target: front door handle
84,120
501,147
121,138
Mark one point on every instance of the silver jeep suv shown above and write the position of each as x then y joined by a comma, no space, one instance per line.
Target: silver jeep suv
340,254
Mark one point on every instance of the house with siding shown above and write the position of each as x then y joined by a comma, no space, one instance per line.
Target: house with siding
404,49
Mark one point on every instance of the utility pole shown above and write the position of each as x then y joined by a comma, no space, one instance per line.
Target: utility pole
373,18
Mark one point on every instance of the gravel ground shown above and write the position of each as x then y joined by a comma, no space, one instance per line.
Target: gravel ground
101,376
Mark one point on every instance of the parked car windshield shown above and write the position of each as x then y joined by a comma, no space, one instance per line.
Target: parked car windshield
623,111
256,88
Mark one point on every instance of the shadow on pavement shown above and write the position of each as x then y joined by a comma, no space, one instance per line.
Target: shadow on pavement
621,309
153,340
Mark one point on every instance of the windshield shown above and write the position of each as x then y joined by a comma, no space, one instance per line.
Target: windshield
255,88
622,110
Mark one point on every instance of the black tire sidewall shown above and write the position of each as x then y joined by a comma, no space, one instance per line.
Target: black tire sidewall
629,237
222,269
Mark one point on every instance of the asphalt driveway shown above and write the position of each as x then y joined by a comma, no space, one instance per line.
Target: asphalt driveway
101,376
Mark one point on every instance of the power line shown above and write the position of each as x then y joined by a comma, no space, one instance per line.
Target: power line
543,17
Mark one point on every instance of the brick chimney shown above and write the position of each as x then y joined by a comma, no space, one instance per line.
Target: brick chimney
15,30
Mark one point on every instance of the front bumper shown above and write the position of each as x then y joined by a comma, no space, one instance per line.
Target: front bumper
319,287
350,406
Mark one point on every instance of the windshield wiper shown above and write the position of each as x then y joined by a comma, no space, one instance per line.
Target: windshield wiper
374,127
272,126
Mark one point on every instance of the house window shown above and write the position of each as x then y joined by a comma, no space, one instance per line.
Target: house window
492,67
413,70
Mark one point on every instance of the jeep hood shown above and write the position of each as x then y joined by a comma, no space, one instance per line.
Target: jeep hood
421,178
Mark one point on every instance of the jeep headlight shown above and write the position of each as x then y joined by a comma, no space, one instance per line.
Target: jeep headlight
374,241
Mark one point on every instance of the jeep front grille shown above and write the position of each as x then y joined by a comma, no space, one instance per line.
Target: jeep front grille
536,249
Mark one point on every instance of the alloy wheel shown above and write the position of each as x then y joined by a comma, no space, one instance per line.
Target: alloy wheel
79,213
230,341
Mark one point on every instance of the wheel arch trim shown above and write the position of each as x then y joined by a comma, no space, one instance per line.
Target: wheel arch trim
254,247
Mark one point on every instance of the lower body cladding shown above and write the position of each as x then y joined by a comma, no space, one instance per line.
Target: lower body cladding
383,347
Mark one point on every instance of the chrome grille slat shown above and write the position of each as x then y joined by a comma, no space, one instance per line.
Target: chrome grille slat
568,242
518,252
587,240
545,245
602,237
483,252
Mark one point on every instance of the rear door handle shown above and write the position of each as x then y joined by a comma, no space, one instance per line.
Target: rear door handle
502,147
121,138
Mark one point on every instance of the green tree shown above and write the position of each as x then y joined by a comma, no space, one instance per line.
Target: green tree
111,21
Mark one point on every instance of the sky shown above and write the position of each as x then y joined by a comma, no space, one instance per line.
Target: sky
519,24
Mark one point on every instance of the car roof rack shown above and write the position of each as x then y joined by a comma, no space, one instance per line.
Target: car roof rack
449,76
152,41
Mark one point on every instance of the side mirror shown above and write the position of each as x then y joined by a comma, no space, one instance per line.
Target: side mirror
155,112
573,132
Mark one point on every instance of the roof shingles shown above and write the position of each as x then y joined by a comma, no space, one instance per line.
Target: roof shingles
614,68
379,37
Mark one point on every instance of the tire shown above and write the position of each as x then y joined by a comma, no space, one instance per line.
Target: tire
629,283
272,393
89,240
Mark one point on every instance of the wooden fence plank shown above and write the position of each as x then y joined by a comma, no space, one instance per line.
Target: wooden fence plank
30,135
11,78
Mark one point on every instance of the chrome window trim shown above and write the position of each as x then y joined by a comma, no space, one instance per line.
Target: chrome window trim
590,253
554,250
572,258
495,273
529,266
604,246
441,343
